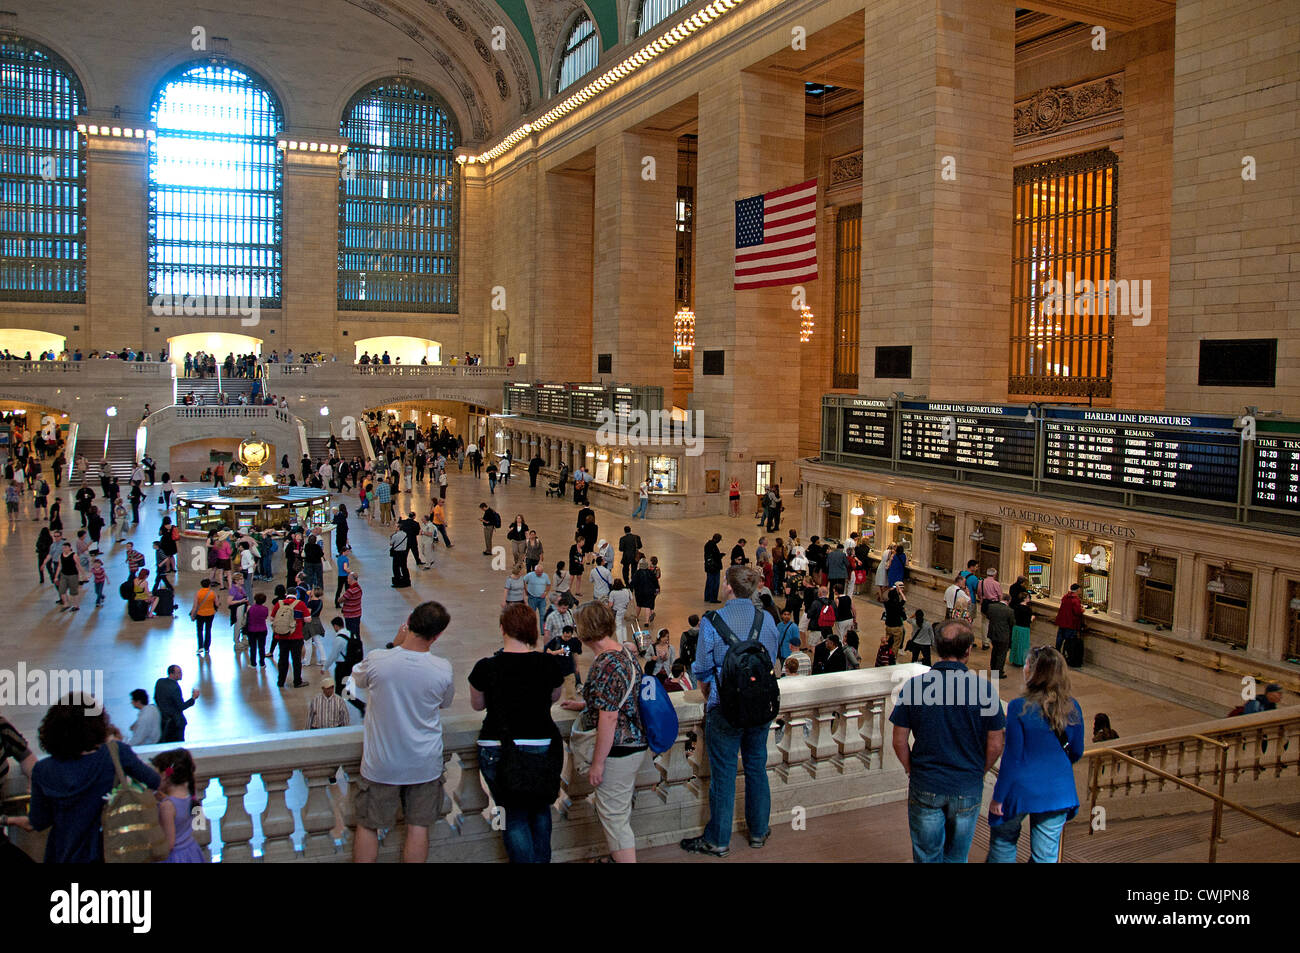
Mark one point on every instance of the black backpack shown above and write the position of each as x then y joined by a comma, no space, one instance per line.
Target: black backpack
352,651
127,590
747,688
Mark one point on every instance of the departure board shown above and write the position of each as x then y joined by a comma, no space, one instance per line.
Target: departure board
1276,482
588,402
1195,457
552,401
974,436
867,428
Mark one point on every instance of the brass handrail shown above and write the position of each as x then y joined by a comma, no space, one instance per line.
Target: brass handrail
1220,802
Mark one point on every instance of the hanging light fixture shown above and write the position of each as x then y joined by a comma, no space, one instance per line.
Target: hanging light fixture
893,518
1083,559
1216,585
805,325
684,330
856,510
978,535
932,526
1029,546
1143,570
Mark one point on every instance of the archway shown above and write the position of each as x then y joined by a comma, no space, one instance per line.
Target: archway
401,349
20,341
216,343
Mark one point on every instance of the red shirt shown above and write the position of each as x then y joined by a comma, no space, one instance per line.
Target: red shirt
1071,614
299,613
352,602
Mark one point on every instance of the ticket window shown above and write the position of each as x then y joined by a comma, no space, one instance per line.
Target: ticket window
902,517
834,516
1228,607
1093,564
1156,589
1036,563
989,549
941,543
865,523
1293,621
663,474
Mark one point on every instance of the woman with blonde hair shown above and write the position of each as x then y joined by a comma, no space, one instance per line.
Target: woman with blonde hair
1036,778
609,707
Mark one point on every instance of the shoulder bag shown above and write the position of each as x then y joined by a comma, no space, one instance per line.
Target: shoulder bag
582,741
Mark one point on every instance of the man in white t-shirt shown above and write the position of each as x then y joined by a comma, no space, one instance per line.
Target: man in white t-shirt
401,762
601,580
950,595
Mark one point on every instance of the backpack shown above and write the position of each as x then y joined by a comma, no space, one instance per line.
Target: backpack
127,590
132,832
826,618
353,651
1239,710
283,621
496,519
747,688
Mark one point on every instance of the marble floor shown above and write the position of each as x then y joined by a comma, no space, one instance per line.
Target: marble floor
240,702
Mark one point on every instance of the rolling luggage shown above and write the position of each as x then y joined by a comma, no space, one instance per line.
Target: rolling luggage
1073,651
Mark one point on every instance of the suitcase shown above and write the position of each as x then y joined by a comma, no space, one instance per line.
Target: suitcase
1073,651
138,610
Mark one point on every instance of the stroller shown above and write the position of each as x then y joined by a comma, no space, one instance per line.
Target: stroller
553,489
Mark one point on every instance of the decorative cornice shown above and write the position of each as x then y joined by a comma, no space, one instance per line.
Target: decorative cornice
846,169
1063,108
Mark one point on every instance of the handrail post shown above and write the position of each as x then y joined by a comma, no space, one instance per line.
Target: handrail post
1216,825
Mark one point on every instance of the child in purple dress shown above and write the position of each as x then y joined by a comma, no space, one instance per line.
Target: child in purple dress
174,810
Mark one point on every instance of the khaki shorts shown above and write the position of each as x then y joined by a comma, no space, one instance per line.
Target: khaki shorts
376,803
66,584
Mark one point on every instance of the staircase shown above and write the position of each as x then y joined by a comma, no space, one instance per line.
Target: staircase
209,388
120,460
319,448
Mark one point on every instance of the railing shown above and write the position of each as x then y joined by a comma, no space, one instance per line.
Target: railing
96,366
431,370
237,412
41,367
1208,755
831,755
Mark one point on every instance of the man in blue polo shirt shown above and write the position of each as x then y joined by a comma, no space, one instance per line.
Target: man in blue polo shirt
724,739
959,726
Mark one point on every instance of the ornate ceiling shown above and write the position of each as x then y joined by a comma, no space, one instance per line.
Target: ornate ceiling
497,85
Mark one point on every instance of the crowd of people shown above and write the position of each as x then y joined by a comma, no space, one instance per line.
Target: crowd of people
577,633
76,354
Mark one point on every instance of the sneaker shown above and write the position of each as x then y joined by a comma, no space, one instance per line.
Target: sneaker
299,684
698,845
757,842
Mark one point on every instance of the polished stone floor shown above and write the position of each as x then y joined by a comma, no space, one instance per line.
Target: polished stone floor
240,702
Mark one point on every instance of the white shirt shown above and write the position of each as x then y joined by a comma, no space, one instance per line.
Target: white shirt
406,692
950,595
645,491
620,599
601,580
147,729
247,562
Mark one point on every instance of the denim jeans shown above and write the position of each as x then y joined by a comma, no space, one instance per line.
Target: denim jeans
527,833
641,507
1044,838
711,580
725,741
1064,635
538,604
942,826
203,629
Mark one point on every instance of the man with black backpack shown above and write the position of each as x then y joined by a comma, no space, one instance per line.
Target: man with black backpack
733,665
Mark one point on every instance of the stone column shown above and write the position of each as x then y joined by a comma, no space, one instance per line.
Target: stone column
562,315
117,245
938,92
310,238
633,298
751,142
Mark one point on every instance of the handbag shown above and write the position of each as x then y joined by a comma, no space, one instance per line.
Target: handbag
133,833
582,741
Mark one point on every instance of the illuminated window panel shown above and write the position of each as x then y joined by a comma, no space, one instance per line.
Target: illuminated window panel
654,12
399,202
581,51
1064,231
848,293
215,178
42,177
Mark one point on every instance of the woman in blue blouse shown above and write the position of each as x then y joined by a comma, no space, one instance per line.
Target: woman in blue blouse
1036,778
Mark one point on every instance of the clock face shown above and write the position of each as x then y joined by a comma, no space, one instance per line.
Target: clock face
253,453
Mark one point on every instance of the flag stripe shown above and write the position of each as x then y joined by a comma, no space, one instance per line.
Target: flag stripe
776,237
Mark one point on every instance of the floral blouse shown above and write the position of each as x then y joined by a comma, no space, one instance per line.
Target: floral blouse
606,683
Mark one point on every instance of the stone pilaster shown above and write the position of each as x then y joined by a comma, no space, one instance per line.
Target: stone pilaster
117,242
310,239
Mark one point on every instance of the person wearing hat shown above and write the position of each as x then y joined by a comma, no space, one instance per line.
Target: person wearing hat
327,710
1271,698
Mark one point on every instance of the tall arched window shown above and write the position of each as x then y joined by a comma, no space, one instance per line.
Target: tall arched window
654,12
581,51
42,176
214,185
398,201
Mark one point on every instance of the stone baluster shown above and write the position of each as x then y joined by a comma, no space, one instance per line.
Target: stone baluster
318,812
470,798
848,737
277,819
236,823
700,763
576,791
793,746
675,768
775,757
820,742
875,734
442,830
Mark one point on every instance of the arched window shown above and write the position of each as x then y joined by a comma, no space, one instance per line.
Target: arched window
654,12
581,51
399,201
42,176
214,185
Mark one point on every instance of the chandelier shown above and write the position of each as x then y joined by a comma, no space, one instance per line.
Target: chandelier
684,330
805,326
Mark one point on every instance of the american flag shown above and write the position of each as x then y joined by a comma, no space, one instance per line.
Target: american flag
776,237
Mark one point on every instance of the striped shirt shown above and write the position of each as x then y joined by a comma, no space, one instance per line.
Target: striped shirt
328,712
352,602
